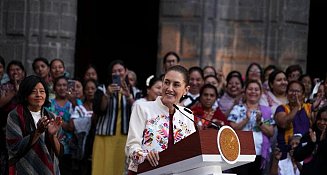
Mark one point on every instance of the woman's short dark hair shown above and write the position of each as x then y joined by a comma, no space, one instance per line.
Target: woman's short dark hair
210,67
273,75
209,86
113,63
248,71
59,78
27,86
293,68
57,59
89,80
17,63
196,69
236,74
268,68
44,60
170,53
211,76
182,70
321,110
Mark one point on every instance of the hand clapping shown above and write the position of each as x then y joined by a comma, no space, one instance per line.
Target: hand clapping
51,125
42,124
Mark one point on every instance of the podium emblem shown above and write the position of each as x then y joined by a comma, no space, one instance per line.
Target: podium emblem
228,144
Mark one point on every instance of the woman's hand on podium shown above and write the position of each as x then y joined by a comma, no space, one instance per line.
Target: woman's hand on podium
153,158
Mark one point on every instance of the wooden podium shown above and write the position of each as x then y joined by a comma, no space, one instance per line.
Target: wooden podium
199,154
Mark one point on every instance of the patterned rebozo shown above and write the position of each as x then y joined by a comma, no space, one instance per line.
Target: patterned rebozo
23,159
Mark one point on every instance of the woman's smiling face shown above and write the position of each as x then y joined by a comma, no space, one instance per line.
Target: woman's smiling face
173,88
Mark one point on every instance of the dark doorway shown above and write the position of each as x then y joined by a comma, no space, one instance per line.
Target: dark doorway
109,30
316,40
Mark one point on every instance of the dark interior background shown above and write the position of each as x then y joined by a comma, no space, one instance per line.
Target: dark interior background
109,30
317,40
128,30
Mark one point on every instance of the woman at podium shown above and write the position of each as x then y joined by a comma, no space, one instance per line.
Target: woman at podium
157,125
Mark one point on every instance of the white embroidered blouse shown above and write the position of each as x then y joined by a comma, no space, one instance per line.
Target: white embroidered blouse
149,129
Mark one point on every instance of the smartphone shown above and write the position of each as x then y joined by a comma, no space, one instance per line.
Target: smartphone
71,85
116,79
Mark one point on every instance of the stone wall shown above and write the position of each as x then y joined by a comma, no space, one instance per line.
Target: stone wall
34,28
229,34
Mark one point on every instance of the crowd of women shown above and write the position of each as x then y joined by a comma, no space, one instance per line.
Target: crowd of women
52,123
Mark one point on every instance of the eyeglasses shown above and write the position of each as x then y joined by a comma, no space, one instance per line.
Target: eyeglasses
294,75
295,91
38,91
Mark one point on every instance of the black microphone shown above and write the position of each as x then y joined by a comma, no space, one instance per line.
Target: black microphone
190,112
176,107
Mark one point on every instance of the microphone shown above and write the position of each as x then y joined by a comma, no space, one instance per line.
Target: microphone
177,108
190,112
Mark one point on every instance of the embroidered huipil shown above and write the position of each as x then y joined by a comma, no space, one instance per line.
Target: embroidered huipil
149,128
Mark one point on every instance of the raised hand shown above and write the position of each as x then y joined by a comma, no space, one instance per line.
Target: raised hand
298,102
54,125
42,124
312,135
258,117
277,153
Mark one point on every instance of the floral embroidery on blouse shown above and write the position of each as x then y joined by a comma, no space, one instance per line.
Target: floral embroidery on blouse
157,130
180,133
155,135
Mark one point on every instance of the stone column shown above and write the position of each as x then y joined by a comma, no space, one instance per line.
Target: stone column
34,28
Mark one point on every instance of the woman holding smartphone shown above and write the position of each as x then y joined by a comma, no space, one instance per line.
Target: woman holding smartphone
112,107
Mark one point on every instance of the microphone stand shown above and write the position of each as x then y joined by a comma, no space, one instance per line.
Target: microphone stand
190,112
177,108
